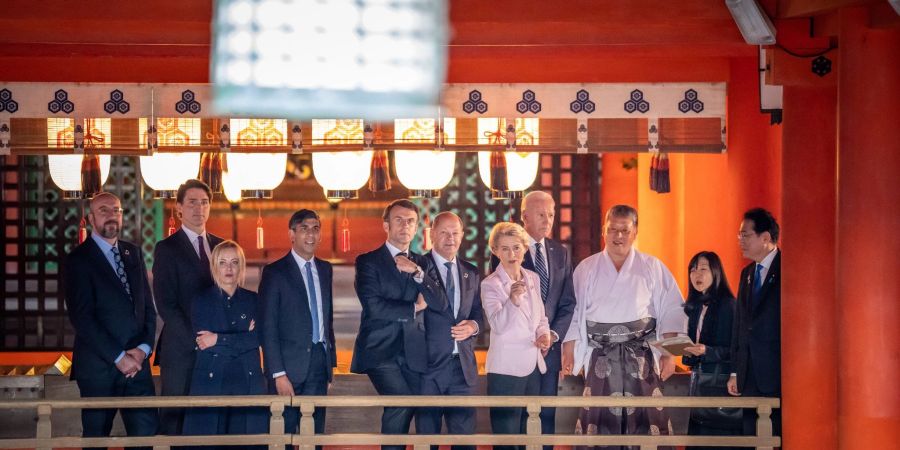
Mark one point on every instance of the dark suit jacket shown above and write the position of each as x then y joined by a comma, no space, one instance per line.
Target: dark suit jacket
715,334
177,280
286,321
560,302
756,340
232,365
107,321
439,319
388,325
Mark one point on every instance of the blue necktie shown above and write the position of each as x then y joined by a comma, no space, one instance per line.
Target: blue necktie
451,288
120,270
313,302
757,283
541,268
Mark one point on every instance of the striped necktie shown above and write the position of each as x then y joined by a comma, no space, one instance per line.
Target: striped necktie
541,268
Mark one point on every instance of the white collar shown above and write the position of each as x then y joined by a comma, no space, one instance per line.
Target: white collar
191,235
301,260
767,261
394,250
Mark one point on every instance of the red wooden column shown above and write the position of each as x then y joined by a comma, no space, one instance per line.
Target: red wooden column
808,338
868,249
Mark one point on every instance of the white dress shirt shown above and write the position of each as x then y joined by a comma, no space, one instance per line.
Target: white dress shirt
193,238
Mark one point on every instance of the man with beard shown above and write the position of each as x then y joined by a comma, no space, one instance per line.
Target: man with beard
110,305
389,347
181,271
624,298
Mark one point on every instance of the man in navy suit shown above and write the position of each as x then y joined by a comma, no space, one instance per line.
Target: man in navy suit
110,305
553,264
391,331
181,272
452,291
756,340
296,319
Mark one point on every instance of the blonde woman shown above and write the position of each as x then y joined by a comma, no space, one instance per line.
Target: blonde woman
224,321
520,334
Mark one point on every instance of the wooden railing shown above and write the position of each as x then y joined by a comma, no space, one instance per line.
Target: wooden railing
306,438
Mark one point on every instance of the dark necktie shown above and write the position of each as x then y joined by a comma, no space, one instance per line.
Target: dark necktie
757,284
541,268
451,288
204,258
120,270
313,302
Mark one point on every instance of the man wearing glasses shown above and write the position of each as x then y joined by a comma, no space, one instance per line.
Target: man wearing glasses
181,270
109,303
756,342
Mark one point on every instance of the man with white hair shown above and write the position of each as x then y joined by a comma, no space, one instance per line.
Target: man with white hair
625,298
553,264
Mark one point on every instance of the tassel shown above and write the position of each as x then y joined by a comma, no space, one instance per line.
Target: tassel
82,231
663,186
211,167
345,233
654,172
171,229
90,175
426,233
260,237
380,179
499,179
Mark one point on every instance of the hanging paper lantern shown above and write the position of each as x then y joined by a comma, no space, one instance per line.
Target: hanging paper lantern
521,170
165,172
66,172
257,174
211,167
425,173
380,179
231,187
342,173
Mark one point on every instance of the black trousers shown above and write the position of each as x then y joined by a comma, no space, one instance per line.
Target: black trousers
394,377
459,420
316,383
549,386
751,389
138,421
175,380
511,420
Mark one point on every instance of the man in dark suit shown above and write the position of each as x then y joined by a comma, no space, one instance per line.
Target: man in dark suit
756,340
391,331
181,271
110,305
296,319
553,264
452,290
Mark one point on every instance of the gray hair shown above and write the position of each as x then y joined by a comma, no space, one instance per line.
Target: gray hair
623,211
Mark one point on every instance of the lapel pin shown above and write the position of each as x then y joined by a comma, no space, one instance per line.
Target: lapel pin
465,275
243,316
127,253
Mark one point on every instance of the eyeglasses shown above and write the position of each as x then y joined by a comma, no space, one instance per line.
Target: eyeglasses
616,232
745,236
110,211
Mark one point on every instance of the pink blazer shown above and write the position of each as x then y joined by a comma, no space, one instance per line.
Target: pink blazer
514,329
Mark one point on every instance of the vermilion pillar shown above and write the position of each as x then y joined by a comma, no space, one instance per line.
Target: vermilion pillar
808,337
868,250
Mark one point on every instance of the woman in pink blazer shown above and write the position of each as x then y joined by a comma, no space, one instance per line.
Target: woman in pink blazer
520,334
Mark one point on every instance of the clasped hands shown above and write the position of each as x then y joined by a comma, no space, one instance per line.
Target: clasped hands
131,362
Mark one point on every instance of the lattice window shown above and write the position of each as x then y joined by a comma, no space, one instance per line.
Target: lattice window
259,131
422,130
337,131
493,131
172,131
61,133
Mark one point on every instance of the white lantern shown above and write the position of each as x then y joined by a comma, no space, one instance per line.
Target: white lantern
342,173
521,169
425,173
257,174
231,188
165,172
65,171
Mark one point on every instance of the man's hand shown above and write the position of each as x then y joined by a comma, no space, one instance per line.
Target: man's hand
568,358
405,264
666,367
283,386
516,291
137,354
128,365
544,342
696,350
420,303
206,339
463,330
732,386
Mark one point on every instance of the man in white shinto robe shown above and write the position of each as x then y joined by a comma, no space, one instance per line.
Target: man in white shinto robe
625,298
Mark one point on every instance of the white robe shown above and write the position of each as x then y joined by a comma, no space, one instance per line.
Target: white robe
644,287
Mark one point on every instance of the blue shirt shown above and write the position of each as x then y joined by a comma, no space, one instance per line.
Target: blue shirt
106,249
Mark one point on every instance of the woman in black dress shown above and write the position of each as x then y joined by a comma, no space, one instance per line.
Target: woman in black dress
710,309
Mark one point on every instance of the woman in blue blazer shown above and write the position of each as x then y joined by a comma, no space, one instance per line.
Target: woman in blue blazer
228,360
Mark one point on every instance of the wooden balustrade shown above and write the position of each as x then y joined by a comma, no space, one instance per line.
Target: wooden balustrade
306,438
